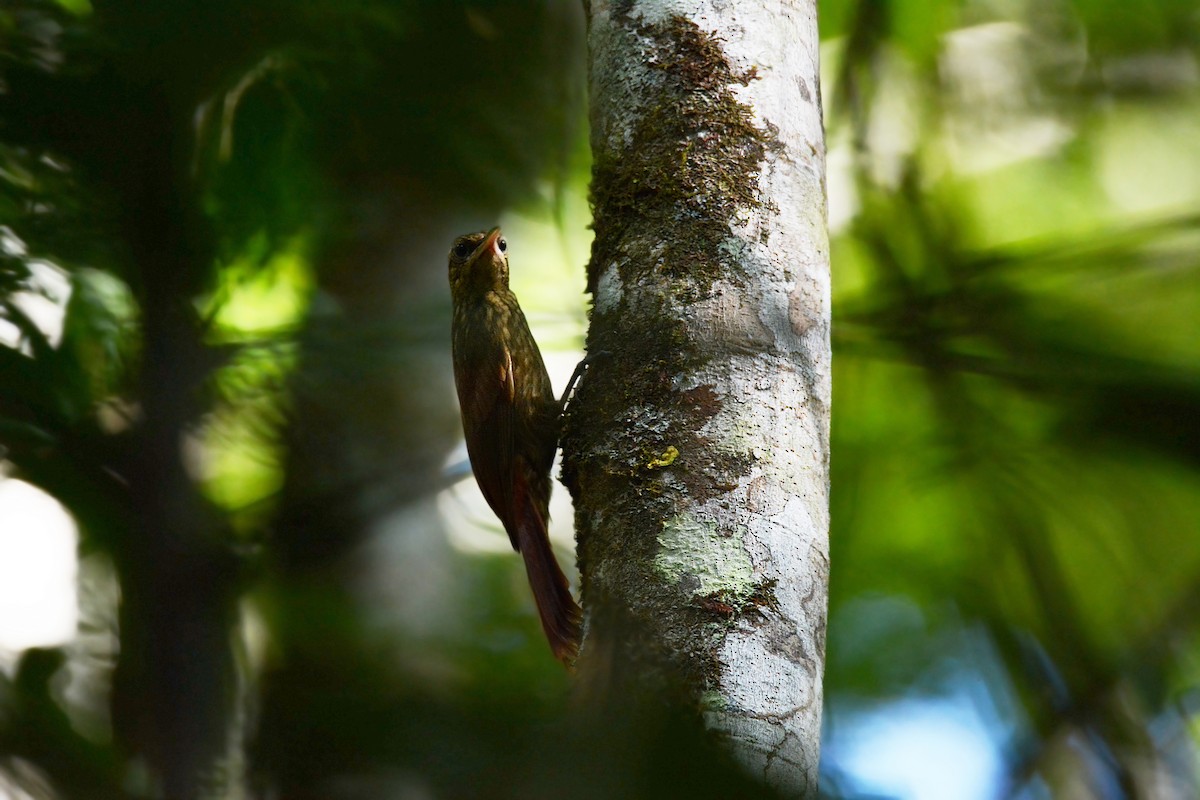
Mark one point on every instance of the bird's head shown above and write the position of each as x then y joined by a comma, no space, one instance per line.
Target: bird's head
478,262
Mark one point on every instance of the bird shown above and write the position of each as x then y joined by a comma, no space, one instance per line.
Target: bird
511,421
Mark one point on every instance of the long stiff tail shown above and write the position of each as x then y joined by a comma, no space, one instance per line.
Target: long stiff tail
557,608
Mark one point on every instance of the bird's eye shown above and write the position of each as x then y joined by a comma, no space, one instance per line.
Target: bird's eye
463,249
503,245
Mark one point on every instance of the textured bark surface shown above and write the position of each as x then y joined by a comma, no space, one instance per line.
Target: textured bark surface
697,452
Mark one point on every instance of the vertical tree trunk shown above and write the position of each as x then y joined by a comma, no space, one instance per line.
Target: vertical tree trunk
697,450
173,682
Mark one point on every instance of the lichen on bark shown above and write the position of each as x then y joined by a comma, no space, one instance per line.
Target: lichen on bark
695,451
683,174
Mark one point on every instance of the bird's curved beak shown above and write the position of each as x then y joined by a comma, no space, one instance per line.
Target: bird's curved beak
492,242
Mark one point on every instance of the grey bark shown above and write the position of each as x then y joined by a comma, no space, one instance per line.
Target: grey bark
697,451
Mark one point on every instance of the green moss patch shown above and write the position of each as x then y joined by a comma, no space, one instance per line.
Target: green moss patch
690,167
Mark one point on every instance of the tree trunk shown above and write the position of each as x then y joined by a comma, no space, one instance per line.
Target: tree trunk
697,449
173,684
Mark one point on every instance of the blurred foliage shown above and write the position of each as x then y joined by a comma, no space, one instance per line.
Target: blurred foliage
1017,379
248,406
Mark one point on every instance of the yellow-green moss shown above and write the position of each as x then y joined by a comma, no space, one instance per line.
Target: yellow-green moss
666,459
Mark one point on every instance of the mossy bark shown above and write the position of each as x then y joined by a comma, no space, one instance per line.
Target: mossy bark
697,450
